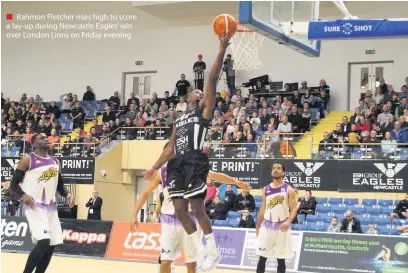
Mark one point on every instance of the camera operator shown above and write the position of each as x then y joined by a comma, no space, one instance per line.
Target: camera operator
199,67
230,71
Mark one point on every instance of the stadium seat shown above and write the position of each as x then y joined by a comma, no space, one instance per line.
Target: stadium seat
315,115
258,204
378,220
325,226
384,203
338,209
386,210
312,219
358,216
372,210
68,126
339,216
364,228
387,231
359,210
301,218
396,202
325,219
233,222
220,223
101,108
365,221
351,201
258,198
369,202
321,200
234,215
315,227
300,227
323,209
349,207
335,201
254,214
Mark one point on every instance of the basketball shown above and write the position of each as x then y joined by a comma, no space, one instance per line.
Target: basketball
224,23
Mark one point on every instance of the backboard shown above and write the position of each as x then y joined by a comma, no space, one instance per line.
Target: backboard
285,22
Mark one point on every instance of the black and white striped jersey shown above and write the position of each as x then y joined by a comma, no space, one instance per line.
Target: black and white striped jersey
191,130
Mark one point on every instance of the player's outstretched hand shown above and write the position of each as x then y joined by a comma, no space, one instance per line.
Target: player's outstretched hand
225,40
243,185
29,200
134,224
285,226
70,200
150,174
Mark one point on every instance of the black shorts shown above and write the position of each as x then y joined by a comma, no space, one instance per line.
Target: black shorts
187,175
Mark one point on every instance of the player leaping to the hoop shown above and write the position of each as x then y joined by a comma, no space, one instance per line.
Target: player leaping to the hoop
188,166
172,233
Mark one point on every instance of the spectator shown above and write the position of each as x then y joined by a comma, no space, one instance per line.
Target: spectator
94,206
211,192
362,105
216,210
397,133
379,97
131,114
384,89
306,115
371,229
307,97
350,224
229,199
133,100
404,92
345,126
66,147
356,117
108,116
77,116
152,105
238,110
399,111
388,145
181,106
363,125
307,205
182,86
284,126
387,126
41,128
334,225
326,145
97,127
403,226
247,220
164,109
53,138
385,113
296,120
400,210
374,143
296,99
89,95
114,101
244,200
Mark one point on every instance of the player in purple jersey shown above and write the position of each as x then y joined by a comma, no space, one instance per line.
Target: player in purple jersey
275,216
41,179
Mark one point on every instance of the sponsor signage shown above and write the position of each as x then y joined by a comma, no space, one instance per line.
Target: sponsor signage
81,237
340,252
73,169
346,29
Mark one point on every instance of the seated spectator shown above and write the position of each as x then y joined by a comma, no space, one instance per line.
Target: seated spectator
53,139
371,230
307,97
334,225
114,101
296,99
387,126
133,100
374,110
377,128
247,220
306,116
399,111
373,142
285,126
326,144
251,147
164,109
167,99
41,128
350,224
229,199
378,97
211,192
345,126
89,95
362,105
229,113
338,132
356,117
385,113
131,114
238,110
244,200
296,120
108,116
255,121
402,226
181,106
152,106
308,204
216,210
77,116
400,210
251,107
171,118
214,120
66,147
398,134
363,125
388,145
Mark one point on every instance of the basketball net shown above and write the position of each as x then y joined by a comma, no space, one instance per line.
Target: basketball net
244,46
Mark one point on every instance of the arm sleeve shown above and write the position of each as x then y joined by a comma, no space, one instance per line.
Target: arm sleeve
15,181
61,188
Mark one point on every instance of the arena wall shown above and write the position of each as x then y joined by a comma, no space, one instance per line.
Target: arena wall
53,67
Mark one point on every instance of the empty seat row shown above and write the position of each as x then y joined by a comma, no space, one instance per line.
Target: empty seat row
354,201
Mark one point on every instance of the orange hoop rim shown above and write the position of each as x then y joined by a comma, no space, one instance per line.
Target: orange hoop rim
242,30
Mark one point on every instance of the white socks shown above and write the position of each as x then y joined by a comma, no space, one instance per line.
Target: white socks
196,239
212,247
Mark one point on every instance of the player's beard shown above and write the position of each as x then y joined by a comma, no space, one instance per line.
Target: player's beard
276,177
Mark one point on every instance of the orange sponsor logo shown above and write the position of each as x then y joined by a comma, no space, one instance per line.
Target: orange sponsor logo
143,245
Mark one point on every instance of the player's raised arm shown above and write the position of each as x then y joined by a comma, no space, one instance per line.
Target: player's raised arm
167,153
142,200
208,101
226,179
261,213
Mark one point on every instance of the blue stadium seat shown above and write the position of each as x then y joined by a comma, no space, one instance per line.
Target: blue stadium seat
101,108
369,202
234,214
15,151
258,198
323,209
387,231
351,201
321,200
233,222
325,219
301,218
372,210
365,221
335,201
312,219
68,126
364,228
300,227
315,115
349,207
396,202
90,114
340,216
386,210
254,214
325,227
220,223
315,227
258,204
378,220
338,209
358,216
359,210
384,203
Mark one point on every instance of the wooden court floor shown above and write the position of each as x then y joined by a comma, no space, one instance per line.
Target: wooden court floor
14,263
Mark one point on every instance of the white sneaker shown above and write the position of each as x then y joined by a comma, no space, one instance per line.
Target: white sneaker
200,258
211,261
158,268
173,268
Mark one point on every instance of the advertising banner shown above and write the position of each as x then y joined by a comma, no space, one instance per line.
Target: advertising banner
85,237
339,252
73,169
81,237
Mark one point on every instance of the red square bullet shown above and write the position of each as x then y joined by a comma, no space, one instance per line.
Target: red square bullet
9,16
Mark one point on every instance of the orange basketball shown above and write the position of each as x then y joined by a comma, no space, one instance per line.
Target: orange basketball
224,23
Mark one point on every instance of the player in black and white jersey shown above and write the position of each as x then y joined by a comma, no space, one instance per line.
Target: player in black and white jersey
188,166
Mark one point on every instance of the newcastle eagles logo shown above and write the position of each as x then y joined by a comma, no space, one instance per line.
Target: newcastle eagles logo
310,167
391,170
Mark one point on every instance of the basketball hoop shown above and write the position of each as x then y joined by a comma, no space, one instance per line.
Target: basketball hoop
244,45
